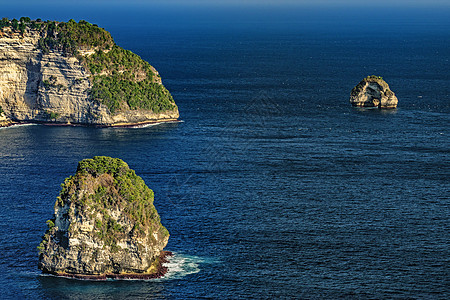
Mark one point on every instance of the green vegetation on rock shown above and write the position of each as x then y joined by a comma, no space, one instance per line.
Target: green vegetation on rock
72,36
373,77
115,187
120,74
121,80
102,164
51,115
4,22
20,25
104,223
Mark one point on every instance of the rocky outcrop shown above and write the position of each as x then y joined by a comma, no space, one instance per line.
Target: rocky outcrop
5,122
53,87
373,91
104,225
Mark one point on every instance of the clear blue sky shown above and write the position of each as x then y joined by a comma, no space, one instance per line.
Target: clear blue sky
326,14
334,3
302,2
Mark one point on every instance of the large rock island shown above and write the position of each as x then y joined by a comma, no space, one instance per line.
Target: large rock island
373,91
74,73
104,226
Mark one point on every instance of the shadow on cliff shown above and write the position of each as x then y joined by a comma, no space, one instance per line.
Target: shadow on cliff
31,95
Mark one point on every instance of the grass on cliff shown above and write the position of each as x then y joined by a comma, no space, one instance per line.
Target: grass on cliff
121,79
120,74
119,189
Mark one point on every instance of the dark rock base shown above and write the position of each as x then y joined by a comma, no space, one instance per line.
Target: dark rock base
371,105
160,272
120,125
9,123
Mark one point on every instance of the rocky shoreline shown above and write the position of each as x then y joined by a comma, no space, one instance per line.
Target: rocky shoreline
160,272
8,124
11,123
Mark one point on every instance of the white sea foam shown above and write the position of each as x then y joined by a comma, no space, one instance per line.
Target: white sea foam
178,265
29,274
19,125
157,123
181,265
147,125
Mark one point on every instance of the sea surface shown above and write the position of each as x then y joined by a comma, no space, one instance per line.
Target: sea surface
272,186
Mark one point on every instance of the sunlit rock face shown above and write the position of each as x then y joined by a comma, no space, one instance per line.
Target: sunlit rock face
54,87
373,91
104,225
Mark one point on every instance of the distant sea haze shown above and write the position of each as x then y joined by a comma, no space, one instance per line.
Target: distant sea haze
273,186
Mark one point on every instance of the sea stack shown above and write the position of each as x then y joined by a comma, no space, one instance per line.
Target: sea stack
373,91
104,226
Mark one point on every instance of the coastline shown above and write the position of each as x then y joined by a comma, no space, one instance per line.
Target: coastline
143,124
158,273
11,123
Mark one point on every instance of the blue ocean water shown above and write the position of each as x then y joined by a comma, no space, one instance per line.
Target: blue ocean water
273,185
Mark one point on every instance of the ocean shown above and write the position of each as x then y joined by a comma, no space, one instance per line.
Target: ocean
272,185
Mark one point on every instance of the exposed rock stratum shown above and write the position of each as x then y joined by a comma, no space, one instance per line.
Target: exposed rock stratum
74,73
105,225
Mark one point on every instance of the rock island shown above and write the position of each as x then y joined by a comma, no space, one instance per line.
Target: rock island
104,226
373,91
74,73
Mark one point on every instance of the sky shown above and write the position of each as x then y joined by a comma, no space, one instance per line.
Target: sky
301,2
243,3
262,14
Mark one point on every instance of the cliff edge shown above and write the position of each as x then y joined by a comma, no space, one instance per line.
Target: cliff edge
104,226
74,73
373,91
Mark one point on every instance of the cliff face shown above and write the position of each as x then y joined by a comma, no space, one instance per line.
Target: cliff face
25,97
104,224
373,91
51,86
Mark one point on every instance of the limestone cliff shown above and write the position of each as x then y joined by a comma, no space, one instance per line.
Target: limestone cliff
42,80
373,91
104,225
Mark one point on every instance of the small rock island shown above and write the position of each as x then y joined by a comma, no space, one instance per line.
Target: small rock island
373,91
104,226
73,73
